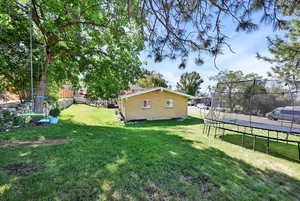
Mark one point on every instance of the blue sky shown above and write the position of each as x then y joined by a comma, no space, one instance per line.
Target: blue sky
245,45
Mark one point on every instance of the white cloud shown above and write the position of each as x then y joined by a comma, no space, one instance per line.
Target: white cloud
171,77
250,64
244,58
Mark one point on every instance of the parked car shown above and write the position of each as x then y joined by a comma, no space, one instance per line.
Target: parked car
285,113
191,103
79,97
220,109
203,106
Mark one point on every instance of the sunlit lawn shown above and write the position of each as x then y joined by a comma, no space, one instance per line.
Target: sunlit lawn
160,160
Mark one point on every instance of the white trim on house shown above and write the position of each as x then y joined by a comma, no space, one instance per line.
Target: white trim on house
156,89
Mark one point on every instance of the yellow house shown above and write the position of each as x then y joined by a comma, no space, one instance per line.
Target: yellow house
153,104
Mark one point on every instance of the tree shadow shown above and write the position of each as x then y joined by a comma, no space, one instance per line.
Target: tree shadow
288,151
121,163
167,123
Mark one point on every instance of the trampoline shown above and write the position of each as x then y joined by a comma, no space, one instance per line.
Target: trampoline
268,109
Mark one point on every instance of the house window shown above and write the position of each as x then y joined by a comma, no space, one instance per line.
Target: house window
169,103
147,103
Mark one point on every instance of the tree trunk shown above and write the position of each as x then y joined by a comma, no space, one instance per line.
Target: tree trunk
42,91
42,87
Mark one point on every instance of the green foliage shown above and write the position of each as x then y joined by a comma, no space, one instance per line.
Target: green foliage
285,54
54,112
189,83
152,79
72,38
10,120
228,76
109,74
52,100
14,54
235,86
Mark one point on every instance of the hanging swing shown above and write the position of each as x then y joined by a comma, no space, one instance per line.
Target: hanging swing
33,114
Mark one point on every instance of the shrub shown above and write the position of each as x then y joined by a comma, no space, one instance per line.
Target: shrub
52,100
10,120
54,112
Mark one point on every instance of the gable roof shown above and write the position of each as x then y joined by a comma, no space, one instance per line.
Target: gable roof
157,89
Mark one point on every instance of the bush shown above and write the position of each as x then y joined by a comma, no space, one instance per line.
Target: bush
9,120
52,100
54,112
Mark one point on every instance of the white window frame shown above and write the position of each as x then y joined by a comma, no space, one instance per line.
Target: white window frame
149,105
170,101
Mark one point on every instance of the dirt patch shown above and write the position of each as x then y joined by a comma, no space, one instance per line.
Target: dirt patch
17,143
203,182
23,169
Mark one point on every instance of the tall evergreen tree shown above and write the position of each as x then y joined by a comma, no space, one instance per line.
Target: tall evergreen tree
285,54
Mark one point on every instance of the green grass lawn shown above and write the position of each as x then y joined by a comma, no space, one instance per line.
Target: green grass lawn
160,160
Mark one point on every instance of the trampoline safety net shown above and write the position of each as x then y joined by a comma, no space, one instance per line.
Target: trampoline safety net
267,106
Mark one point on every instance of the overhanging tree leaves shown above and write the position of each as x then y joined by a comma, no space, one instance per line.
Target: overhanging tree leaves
176,28
14,52
108,75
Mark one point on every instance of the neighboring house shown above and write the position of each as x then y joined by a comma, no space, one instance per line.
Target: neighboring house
206,100
153,104
132,89
66,91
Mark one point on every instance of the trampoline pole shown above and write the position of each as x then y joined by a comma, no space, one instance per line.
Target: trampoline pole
216,128
223,131
254,142
268,144
287,137
299,150
208,131
277,135
243,140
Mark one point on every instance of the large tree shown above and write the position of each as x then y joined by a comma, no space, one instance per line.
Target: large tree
189,83
285,54
152,79
74,35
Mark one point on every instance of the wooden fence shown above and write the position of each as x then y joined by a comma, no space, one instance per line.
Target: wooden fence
64,93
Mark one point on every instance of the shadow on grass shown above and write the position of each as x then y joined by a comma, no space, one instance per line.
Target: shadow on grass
167,123
277,149
120,163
